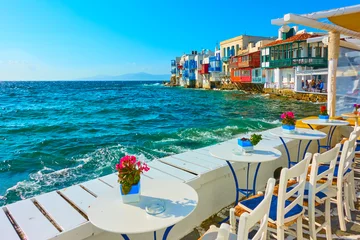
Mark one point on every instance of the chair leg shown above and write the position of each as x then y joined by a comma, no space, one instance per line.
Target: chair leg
340,208
328,219
311,215
353,192
347,200
280,233
299,228
232,220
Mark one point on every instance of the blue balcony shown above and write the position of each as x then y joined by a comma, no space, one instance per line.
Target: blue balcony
173,63
192,64
173,71
186,64
185,74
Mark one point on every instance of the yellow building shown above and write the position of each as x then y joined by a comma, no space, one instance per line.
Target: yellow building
232,46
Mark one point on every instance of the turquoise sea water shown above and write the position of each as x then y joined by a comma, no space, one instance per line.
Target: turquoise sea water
55,134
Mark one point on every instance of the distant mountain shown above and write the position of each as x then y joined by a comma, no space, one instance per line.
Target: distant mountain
131,77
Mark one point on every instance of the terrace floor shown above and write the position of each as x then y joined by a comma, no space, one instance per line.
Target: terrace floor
353,227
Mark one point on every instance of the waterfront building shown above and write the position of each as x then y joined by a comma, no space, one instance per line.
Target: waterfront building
214,78
175,71
290,54
230,48
202,62
245,66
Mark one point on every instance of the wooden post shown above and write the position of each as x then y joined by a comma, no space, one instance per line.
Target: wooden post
333,55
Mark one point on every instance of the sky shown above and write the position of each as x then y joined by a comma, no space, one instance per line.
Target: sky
71,39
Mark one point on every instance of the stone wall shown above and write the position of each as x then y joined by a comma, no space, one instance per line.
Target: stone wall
289,93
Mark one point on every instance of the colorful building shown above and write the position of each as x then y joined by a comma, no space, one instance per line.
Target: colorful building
231,47
289,54
245,67
202,63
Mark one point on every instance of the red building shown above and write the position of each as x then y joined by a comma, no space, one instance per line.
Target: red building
242,65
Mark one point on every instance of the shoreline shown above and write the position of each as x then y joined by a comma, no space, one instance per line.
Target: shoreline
250,88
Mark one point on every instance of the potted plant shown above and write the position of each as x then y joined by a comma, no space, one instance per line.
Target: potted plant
356,107
130,170
288,120
324,116
247,144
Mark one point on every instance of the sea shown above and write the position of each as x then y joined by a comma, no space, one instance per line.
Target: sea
56,134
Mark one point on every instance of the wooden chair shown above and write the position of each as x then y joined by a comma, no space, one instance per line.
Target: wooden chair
319,190
285,210
344,179
247,221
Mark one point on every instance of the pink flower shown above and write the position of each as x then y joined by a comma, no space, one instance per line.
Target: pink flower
290,114
132,160
283,116
119,166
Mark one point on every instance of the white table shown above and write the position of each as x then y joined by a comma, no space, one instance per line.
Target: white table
332,123
110,214
228,152
300,134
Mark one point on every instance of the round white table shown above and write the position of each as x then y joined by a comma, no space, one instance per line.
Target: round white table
110,214
231,153
332,123
300,134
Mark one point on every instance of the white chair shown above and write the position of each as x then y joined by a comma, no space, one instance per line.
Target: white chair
344,176
247,221
319,190
284,212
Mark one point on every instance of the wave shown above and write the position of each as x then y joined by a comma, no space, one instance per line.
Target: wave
151,84
88,166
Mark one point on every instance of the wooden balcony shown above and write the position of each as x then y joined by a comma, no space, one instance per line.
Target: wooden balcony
304,61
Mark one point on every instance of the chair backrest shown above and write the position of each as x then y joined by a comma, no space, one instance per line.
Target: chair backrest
260,214
329,158
299,172
347,156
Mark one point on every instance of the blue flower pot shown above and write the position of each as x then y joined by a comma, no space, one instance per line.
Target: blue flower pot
324,118
246,145
288,128
133,196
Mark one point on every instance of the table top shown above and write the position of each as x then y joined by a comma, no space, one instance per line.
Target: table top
350,115
109,213
233,153
328,123
300,134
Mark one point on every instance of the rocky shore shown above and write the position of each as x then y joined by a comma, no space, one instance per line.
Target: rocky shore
253,88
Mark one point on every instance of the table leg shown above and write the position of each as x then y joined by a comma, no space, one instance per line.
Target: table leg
243,191
236,182
255,177
287,152
331,136
166,233
307,146
298,155
318,141
125,237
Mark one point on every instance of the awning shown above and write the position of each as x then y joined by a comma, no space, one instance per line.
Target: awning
349,21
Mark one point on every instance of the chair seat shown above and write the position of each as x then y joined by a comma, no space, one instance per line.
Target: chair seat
250,204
